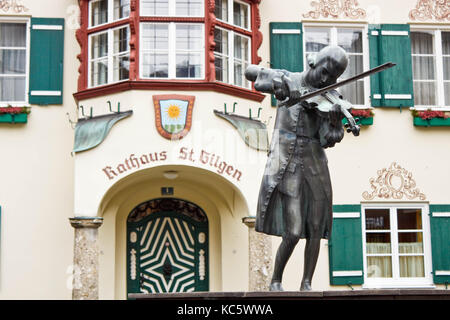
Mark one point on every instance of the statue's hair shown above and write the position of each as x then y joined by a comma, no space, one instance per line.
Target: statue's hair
335,53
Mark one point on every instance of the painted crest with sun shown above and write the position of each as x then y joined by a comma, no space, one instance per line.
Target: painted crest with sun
173,115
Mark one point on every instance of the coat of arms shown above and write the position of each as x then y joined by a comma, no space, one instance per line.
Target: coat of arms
173,115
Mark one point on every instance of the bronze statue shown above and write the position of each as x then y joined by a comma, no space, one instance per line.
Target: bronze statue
295,199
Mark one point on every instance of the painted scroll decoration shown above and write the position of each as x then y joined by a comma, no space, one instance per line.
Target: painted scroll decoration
336,9
394,182
426,10
15,6
92,131
252,131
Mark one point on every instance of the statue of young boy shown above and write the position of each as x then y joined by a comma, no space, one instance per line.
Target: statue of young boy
295,199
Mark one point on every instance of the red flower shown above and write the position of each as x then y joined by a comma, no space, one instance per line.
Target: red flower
362,113
430,114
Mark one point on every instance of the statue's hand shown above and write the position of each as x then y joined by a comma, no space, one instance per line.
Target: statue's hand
335,115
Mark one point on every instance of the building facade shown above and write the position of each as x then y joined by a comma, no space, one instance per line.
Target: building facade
134,146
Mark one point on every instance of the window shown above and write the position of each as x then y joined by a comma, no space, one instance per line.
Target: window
179,8
13,62
172,50
233,49
233,12
431,67
109,56
396,246
101,14
352,41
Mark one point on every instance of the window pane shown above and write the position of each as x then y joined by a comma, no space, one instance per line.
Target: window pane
445,42
241,48
155,7
189,65
353,92
221,9
316,39
13,35
12,61
421,43
423,68
155,65
221,40
99,46
379,267
241,60
99,12
121,40
12,88
424,93
446,68
155,37
410,242
412,266
99,72
447,93
377,219
409,219
221,64
378,243
240,14
121,67
189,37
189,8
350,40
121,9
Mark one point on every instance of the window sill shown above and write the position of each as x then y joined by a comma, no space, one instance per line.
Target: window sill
187,85
393,286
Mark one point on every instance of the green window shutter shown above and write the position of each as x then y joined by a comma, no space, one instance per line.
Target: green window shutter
46,61
286,47
440,242
392,87
345,246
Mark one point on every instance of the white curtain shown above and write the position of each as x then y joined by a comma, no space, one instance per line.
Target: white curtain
446,53
381,266
423,61
12,62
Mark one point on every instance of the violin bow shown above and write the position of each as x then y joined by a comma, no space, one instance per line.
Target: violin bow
307,96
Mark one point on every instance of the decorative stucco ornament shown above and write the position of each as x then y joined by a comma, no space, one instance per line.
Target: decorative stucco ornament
336,9
395,183
13,5
425,10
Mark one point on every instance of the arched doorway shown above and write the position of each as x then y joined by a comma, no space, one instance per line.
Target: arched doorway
167,247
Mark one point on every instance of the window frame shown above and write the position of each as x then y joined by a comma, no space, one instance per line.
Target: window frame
334,40
110,56
436,31
26,21
172,11
110,15
172,51
396,281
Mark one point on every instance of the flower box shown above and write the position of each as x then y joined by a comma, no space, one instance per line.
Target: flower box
362,121
14,114
431,118
434,122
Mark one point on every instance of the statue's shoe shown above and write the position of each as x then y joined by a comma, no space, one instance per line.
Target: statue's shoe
276,286
306,286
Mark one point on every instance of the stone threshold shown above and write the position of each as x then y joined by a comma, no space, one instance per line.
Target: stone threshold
365,294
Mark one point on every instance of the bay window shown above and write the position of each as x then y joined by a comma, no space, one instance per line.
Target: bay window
396,245
172,50
430,51
109,56
352,41
13,62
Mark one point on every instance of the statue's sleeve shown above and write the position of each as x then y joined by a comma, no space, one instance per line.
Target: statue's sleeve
266,77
